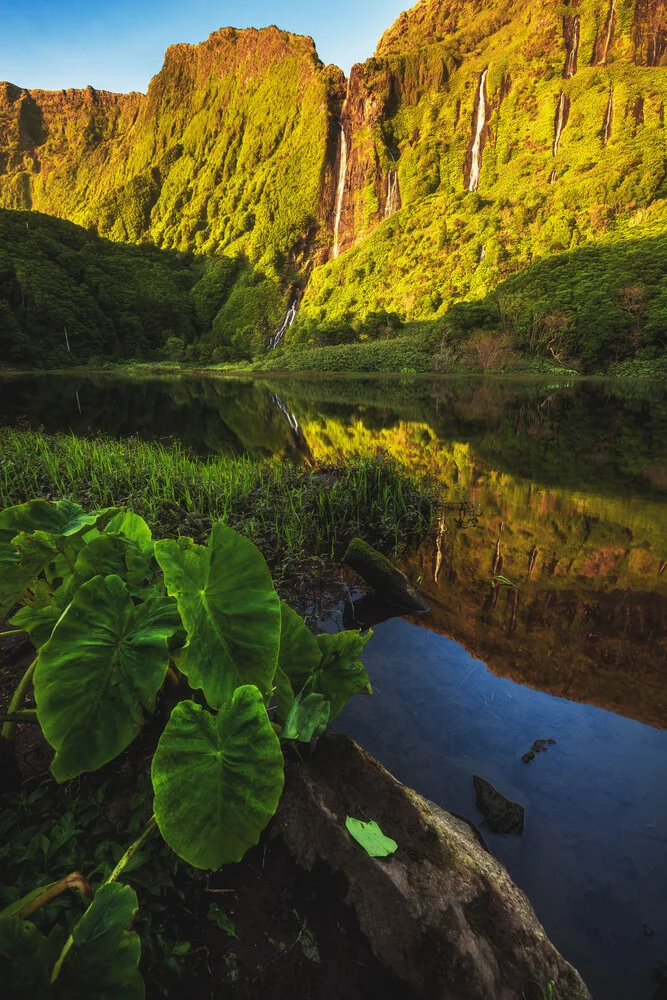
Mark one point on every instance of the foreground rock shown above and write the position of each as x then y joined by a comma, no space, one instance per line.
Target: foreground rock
388,582
441,913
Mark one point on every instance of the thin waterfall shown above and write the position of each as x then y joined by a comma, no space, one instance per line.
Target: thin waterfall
278,338
608,119
600,57
342,177
572,37
476,162
393,202
561,115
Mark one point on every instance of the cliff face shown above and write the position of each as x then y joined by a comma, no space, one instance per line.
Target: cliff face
229,149
510,131
479,138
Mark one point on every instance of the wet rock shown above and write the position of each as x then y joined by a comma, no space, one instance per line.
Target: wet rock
441,913
388,582
501,815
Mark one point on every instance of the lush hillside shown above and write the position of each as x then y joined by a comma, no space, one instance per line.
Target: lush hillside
480,140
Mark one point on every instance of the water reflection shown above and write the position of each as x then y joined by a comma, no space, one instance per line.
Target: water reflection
570,645
593,855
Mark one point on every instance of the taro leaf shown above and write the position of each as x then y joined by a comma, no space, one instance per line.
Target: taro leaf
299,656
340,674
26,959
38,530
130,526
61,518
217,779
371,838
104,663
37,622
230,611
116,555
307,719
218,916
104,959
21,563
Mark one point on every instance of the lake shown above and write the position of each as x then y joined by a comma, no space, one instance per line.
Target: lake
570,480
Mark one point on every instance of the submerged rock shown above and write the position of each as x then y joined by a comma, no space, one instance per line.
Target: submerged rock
441,912
500,814
388,582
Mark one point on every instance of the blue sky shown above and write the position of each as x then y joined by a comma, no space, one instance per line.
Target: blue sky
119,44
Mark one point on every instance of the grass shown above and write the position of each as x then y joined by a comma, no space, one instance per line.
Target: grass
288,510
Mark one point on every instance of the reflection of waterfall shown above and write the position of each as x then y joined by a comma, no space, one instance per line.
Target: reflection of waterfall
342,176
277,340
291,419
572,37
393,202
601,49
299,437
476,162
608,118
561,118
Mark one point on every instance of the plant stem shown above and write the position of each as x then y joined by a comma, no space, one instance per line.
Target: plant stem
132,850
27,715
16,704
118,870
14,631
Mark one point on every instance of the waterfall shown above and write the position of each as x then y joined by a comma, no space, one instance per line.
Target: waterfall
608,118
561,116
340,194
572,36
277,339
393,202
476,163
600,57
553,176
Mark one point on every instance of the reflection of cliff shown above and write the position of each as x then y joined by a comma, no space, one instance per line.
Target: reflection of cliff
211,416
589,620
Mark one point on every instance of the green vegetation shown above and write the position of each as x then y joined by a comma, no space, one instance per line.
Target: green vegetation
287,509
127,628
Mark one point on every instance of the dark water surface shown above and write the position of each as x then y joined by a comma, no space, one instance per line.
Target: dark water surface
571,479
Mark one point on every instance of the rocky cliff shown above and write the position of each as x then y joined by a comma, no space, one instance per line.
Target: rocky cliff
479,138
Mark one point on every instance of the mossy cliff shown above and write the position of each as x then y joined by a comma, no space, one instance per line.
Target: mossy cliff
478,140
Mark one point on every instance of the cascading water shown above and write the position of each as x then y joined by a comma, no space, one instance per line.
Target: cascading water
600,54
608,119
278,338
393,202
572,36
476,161
561,114
340,194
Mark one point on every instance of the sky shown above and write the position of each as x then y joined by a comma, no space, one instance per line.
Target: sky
119,45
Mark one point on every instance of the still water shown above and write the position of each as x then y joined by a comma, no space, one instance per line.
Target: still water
571,482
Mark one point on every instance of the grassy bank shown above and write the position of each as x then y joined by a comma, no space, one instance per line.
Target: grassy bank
288,510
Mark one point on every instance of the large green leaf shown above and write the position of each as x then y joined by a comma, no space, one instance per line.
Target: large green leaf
307,718
39,623
230,611
61,518
35,534
26,960
104,960
299,656
217,779
103,665
115,555
340,674
20,565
